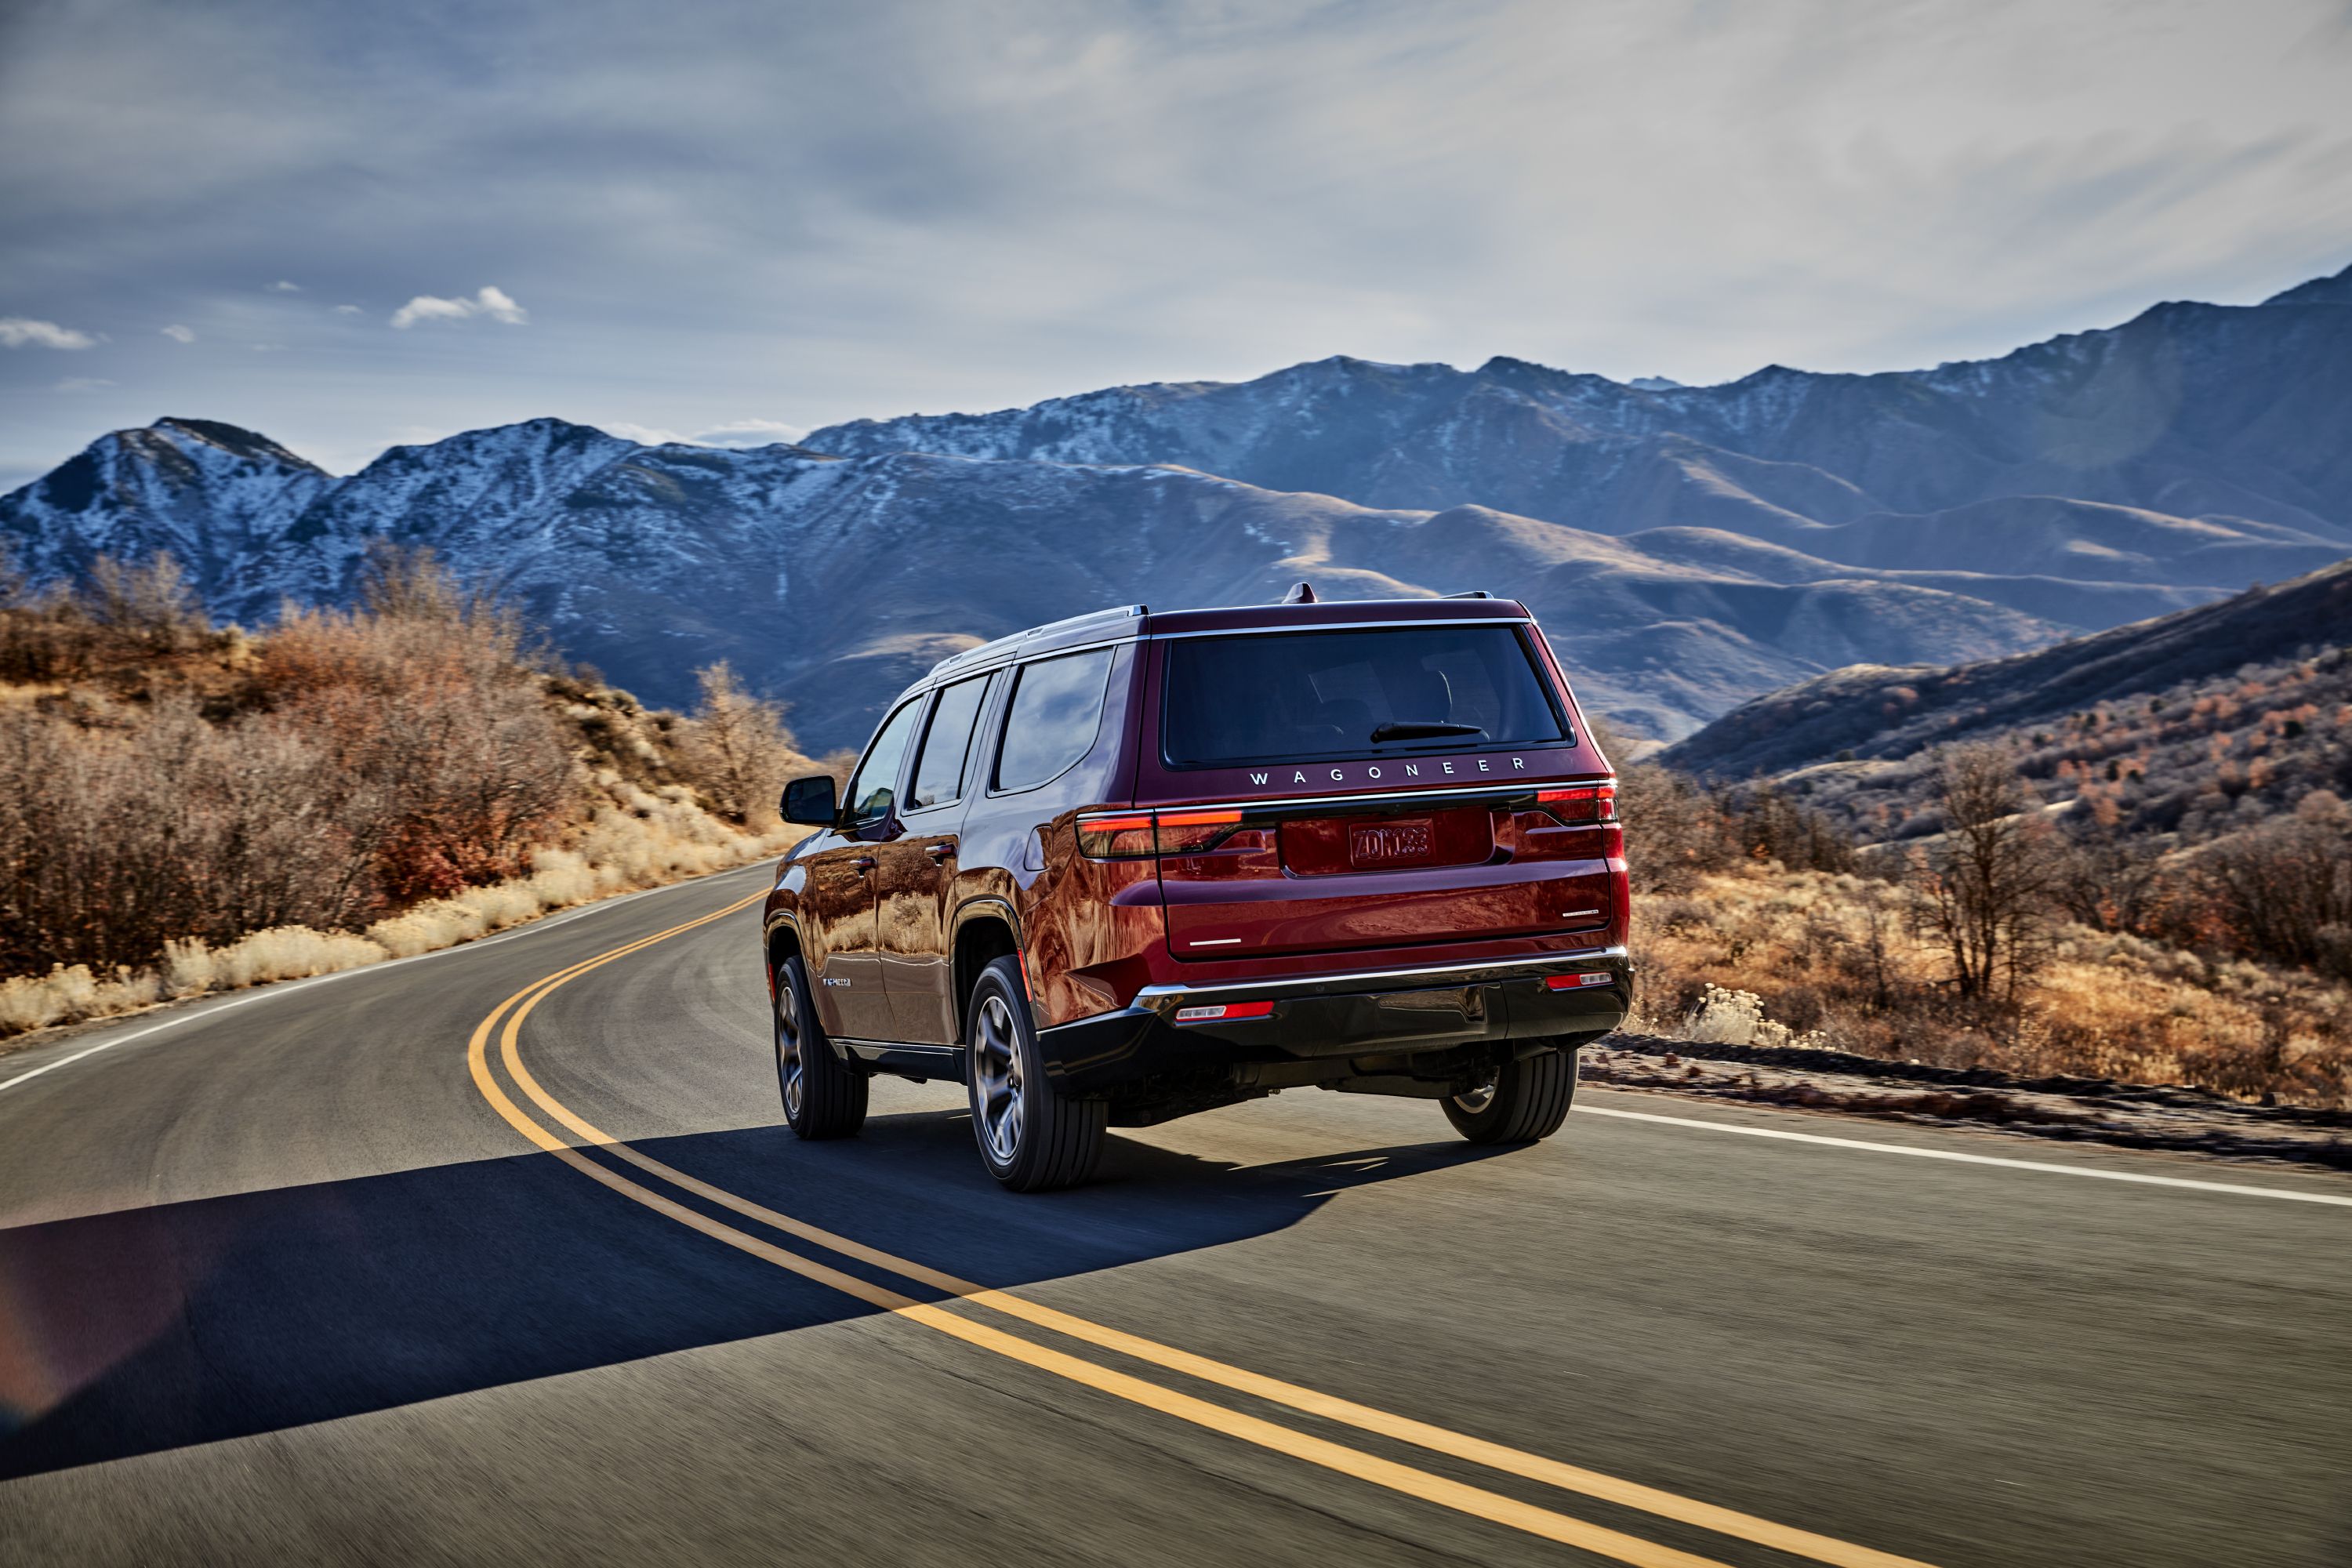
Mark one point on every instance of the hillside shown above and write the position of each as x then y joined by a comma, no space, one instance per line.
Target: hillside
185,808
1869,715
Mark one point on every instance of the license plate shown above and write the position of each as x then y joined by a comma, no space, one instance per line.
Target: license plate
1390,843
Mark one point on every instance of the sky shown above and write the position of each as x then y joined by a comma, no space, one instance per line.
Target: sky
350,226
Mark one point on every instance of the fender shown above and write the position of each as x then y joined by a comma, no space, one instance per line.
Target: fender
995,904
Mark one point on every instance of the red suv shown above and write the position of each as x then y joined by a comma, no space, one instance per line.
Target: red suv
1131,865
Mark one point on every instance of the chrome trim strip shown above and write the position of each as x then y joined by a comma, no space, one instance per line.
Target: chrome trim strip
945,1053
1447,792
1580,955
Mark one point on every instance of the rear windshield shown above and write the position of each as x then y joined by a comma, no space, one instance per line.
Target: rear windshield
1296,695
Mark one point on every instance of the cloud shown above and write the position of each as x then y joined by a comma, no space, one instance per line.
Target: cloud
750,433
283,287
491,301
83,383
347,310
735,432
24,332
179,334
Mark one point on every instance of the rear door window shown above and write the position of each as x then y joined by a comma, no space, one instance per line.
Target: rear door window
1056,709
940,767
1297,696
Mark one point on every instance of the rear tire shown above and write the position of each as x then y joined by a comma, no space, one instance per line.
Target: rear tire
1032,1138
1527,1102
823,1096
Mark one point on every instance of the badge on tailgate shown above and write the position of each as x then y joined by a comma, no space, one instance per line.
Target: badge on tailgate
1407,841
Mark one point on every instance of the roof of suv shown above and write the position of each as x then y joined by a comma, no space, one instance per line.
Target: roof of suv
1139,621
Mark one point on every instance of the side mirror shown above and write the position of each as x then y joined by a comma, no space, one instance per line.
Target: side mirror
809,801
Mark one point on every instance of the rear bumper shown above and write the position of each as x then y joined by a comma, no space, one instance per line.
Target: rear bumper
1341,1015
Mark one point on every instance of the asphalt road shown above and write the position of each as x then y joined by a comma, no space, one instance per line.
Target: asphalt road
297,1278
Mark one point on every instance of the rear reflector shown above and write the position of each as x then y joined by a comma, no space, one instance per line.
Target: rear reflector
1574,982
1224,1013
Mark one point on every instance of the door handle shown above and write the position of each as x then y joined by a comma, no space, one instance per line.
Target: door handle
863,864
939,851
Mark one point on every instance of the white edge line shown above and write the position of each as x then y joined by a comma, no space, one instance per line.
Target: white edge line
2284,1193
288,988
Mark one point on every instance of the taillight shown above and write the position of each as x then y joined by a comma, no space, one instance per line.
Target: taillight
1224,1013
1134,835
1189,832
1117,836
1573,982
1577,804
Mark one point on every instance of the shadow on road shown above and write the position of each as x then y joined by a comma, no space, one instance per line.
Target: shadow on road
153,1329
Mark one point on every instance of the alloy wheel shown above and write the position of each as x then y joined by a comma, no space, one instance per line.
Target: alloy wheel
996,1072
791,1067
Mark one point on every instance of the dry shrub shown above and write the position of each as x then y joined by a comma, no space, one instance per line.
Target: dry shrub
1817,953
133,622
424,693
121,829
407,767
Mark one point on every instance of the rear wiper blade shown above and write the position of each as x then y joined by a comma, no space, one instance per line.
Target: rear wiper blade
1423,730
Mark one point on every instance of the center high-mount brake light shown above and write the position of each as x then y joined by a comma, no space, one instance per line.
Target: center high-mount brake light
1138,834
1578,803
1224,1013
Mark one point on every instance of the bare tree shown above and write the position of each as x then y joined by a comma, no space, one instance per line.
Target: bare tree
1984,888
2107,880
152,608
736,747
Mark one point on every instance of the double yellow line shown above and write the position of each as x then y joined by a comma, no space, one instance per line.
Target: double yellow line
505,1022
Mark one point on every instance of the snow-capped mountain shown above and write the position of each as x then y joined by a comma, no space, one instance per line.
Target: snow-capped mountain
2188,411
1686,548
211,494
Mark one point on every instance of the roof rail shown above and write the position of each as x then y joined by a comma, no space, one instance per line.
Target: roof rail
1007,644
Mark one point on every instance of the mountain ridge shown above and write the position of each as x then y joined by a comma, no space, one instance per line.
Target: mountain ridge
804,568
1687,548
2098,416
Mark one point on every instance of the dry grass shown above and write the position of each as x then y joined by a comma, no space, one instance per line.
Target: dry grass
1829,959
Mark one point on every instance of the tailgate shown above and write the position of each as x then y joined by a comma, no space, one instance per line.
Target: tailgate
1405,872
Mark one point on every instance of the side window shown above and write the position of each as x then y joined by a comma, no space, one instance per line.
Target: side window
1051,721
872,785
939,767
